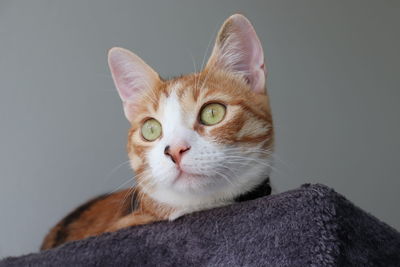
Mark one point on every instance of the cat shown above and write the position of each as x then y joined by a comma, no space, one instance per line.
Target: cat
198,141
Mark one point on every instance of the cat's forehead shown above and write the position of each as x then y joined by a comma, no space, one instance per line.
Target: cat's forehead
200,87
183,85
191,92
176,91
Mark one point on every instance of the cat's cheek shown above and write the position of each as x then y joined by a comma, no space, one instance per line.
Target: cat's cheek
135,161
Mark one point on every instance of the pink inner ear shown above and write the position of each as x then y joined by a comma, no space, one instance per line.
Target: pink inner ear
126,74
241,52
131,76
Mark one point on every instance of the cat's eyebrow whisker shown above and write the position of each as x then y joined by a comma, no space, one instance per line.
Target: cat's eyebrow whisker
204,58
195,69
208,74
208,46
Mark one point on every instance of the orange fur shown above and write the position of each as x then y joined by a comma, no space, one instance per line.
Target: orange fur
248,121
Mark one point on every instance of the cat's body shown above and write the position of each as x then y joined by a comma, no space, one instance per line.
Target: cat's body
196,142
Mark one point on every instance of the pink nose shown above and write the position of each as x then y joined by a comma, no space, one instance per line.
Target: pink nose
176,152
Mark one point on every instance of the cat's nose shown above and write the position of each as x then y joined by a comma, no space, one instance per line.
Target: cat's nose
176,152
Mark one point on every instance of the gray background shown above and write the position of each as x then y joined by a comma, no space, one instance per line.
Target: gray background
333,81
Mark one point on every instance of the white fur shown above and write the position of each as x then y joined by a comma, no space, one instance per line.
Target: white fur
216,174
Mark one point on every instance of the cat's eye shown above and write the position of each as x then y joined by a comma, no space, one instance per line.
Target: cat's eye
151,129
212,114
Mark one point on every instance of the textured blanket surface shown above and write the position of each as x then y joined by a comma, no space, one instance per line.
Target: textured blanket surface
309,226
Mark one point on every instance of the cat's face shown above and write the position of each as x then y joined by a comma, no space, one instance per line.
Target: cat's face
205,136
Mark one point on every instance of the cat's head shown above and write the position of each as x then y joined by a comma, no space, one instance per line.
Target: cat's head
205,136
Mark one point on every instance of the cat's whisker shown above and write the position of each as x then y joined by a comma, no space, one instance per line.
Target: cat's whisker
208,74
127,193
224,176
249,161
117,167
277,157
144,191
140,197
240,162
204,60
130,190
132,200
195,69
208,46
244,150
245,159
123,184
144,181
143,176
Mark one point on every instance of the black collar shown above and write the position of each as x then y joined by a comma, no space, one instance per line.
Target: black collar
263,189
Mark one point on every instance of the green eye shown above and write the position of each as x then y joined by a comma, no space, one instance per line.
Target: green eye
212,114
151,130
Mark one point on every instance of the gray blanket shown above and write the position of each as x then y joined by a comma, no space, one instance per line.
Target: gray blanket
309,226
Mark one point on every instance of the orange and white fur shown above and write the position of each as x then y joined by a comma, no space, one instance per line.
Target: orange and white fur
191,165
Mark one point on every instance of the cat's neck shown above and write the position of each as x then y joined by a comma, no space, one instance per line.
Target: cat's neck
263,189
178,204
215,195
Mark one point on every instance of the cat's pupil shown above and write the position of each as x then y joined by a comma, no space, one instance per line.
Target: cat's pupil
212,112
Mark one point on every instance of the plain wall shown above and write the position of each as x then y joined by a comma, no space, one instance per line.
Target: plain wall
333,81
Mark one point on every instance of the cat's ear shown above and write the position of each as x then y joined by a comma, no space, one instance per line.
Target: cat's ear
238,50
132,76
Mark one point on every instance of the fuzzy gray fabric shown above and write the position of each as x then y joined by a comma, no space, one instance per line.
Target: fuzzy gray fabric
309,226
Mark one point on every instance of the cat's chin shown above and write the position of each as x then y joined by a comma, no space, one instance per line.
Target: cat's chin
195,184
188,190
183,177
189,183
